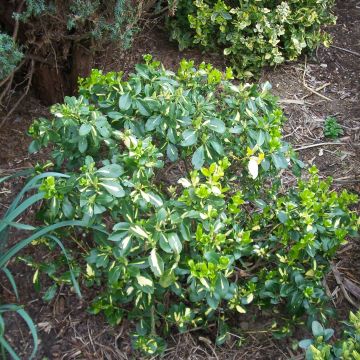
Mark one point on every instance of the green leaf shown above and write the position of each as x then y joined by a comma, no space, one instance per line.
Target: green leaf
172,152
139,231
216,125
189,138
84,129
83,144
282,217
50,293
143,109
167,279
304,344
153,122
212,301
222,285
261,138
279,161
198,158
155,199
156,263
67,208
113,188
110,171
164,243
145,284
317,329
217,147
175,243
125,101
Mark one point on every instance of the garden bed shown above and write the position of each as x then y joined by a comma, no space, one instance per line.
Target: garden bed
67,331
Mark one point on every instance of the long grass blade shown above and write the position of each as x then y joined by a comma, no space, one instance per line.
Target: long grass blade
8,348
32,329
12,281
73,279
24,172
20,209
46,230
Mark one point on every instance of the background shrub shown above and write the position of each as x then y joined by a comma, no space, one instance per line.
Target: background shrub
10,55
224,235
253,33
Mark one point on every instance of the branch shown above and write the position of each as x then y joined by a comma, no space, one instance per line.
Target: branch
30,76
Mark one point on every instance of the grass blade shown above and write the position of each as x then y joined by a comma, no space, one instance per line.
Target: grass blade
12,281
73,279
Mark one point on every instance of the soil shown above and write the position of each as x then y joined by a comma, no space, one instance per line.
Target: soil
67,331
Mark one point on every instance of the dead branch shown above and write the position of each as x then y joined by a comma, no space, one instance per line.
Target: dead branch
309,88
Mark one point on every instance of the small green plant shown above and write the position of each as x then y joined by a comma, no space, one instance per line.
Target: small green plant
348,348
169,256
10,55
253,33
332,129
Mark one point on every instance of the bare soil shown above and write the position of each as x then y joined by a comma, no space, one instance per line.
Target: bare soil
326,84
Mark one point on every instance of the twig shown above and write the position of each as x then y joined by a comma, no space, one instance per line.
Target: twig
342,287
311,89
346,50
319,144
291,101
317,89
30,76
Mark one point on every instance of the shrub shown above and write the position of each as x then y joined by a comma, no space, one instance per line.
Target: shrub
10,55
202,248
253,33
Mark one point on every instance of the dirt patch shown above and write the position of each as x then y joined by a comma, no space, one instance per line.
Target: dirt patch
67,331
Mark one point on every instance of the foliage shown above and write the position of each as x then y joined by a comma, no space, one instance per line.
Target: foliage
10,55
225,235
253,33
348,348
332,128
18,207
103,21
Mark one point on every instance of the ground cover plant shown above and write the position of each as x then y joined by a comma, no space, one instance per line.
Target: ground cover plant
253,33
226,236
332,129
